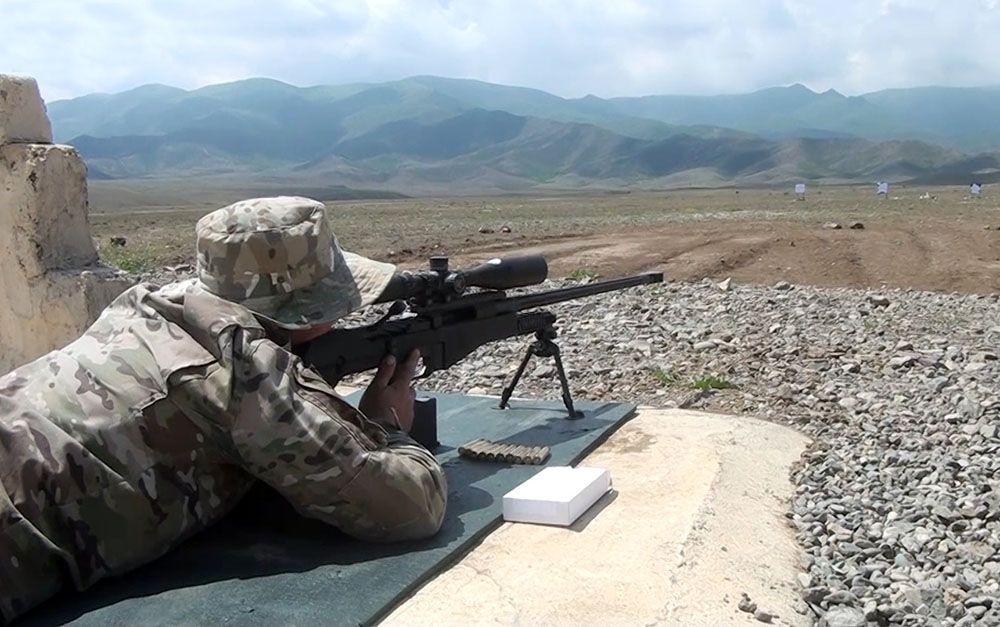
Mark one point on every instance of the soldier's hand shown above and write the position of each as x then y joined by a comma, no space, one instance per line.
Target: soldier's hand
391,392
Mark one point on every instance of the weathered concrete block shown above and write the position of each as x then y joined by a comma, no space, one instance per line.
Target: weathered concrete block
22,112
51,282
43,209
53,311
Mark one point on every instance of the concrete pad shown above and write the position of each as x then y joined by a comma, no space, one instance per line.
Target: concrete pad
695,519
22,112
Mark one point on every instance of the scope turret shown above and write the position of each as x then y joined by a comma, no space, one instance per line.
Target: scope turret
440,284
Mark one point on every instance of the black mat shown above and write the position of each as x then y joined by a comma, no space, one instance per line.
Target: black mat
265,564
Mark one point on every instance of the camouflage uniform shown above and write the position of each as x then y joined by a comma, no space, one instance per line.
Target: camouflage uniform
157,421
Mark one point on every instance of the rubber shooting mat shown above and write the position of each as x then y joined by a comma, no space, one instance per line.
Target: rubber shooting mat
265,564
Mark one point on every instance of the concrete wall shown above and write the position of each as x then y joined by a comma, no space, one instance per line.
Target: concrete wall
52,283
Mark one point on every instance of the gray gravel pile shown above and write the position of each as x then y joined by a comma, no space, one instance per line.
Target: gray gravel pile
898,500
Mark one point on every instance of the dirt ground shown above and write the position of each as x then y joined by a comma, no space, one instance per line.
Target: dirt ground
924,238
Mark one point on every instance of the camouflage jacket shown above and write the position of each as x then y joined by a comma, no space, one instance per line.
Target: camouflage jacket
157,421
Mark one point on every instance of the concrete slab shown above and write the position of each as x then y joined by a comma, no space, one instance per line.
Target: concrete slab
696,518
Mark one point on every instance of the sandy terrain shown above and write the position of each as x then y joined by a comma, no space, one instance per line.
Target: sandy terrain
945,243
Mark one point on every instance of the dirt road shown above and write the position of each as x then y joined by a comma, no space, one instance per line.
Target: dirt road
932,254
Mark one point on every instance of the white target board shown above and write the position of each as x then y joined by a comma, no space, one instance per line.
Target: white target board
800,189
975,189
883,187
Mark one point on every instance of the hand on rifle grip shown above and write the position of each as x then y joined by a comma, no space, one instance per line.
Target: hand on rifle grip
389,397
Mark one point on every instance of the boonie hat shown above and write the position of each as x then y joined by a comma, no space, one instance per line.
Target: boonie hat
278,258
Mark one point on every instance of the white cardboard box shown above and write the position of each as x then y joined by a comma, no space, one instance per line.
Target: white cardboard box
556,496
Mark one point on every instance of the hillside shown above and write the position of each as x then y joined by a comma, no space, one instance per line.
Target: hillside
429,132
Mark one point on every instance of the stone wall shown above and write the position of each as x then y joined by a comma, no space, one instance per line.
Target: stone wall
52,283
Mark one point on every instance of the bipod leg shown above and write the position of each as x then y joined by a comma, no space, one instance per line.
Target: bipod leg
566,396
509,390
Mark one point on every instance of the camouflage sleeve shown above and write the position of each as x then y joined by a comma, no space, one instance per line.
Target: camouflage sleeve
293,432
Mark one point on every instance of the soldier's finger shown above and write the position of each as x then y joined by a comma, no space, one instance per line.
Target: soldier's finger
406,373
385,371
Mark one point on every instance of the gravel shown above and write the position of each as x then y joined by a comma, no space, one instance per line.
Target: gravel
897,504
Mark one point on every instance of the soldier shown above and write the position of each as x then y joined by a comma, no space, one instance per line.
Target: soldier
154,423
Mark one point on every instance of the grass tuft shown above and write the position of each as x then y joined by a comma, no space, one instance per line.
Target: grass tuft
665,377
582,273
135,259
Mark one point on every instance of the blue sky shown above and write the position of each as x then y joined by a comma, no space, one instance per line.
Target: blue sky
571,48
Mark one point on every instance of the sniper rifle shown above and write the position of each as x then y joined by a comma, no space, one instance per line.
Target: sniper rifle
432,311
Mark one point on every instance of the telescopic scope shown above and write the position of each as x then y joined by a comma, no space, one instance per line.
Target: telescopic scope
440,284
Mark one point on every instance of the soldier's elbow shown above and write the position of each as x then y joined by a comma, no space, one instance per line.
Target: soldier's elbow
431,520
419,520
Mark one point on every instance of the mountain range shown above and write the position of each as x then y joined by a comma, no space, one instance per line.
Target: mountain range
432,134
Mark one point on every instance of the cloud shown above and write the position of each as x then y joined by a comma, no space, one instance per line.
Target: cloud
572,48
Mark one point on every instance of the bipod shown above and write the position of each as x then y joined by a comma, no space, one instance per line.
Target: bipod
543,346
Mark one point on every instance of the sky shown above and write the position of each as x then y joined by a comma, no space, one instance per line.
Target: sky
567,47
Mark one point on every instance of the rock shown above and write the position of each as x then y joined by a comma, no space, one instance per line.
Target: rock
975,551
902,361
703,346
724,285
544,371
815,594
485,229
118,241
477,391
642,346
841,597
783,285
832,225
878,300
762,616
848,403
746,605
505,229
843,617
857,226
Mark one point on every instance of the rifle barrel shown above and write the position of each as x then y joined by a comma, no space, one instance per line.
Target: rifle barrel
551,297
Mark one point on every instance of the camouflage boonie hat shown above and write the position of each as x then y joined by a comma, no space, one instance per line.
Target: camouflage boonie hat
278,258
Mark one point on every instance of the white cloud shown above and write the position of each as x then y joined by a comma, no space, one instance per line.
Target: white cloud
625,47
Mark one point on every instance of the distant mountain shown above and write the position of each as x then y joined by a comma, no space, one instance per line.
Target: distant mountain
778,112
436,133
